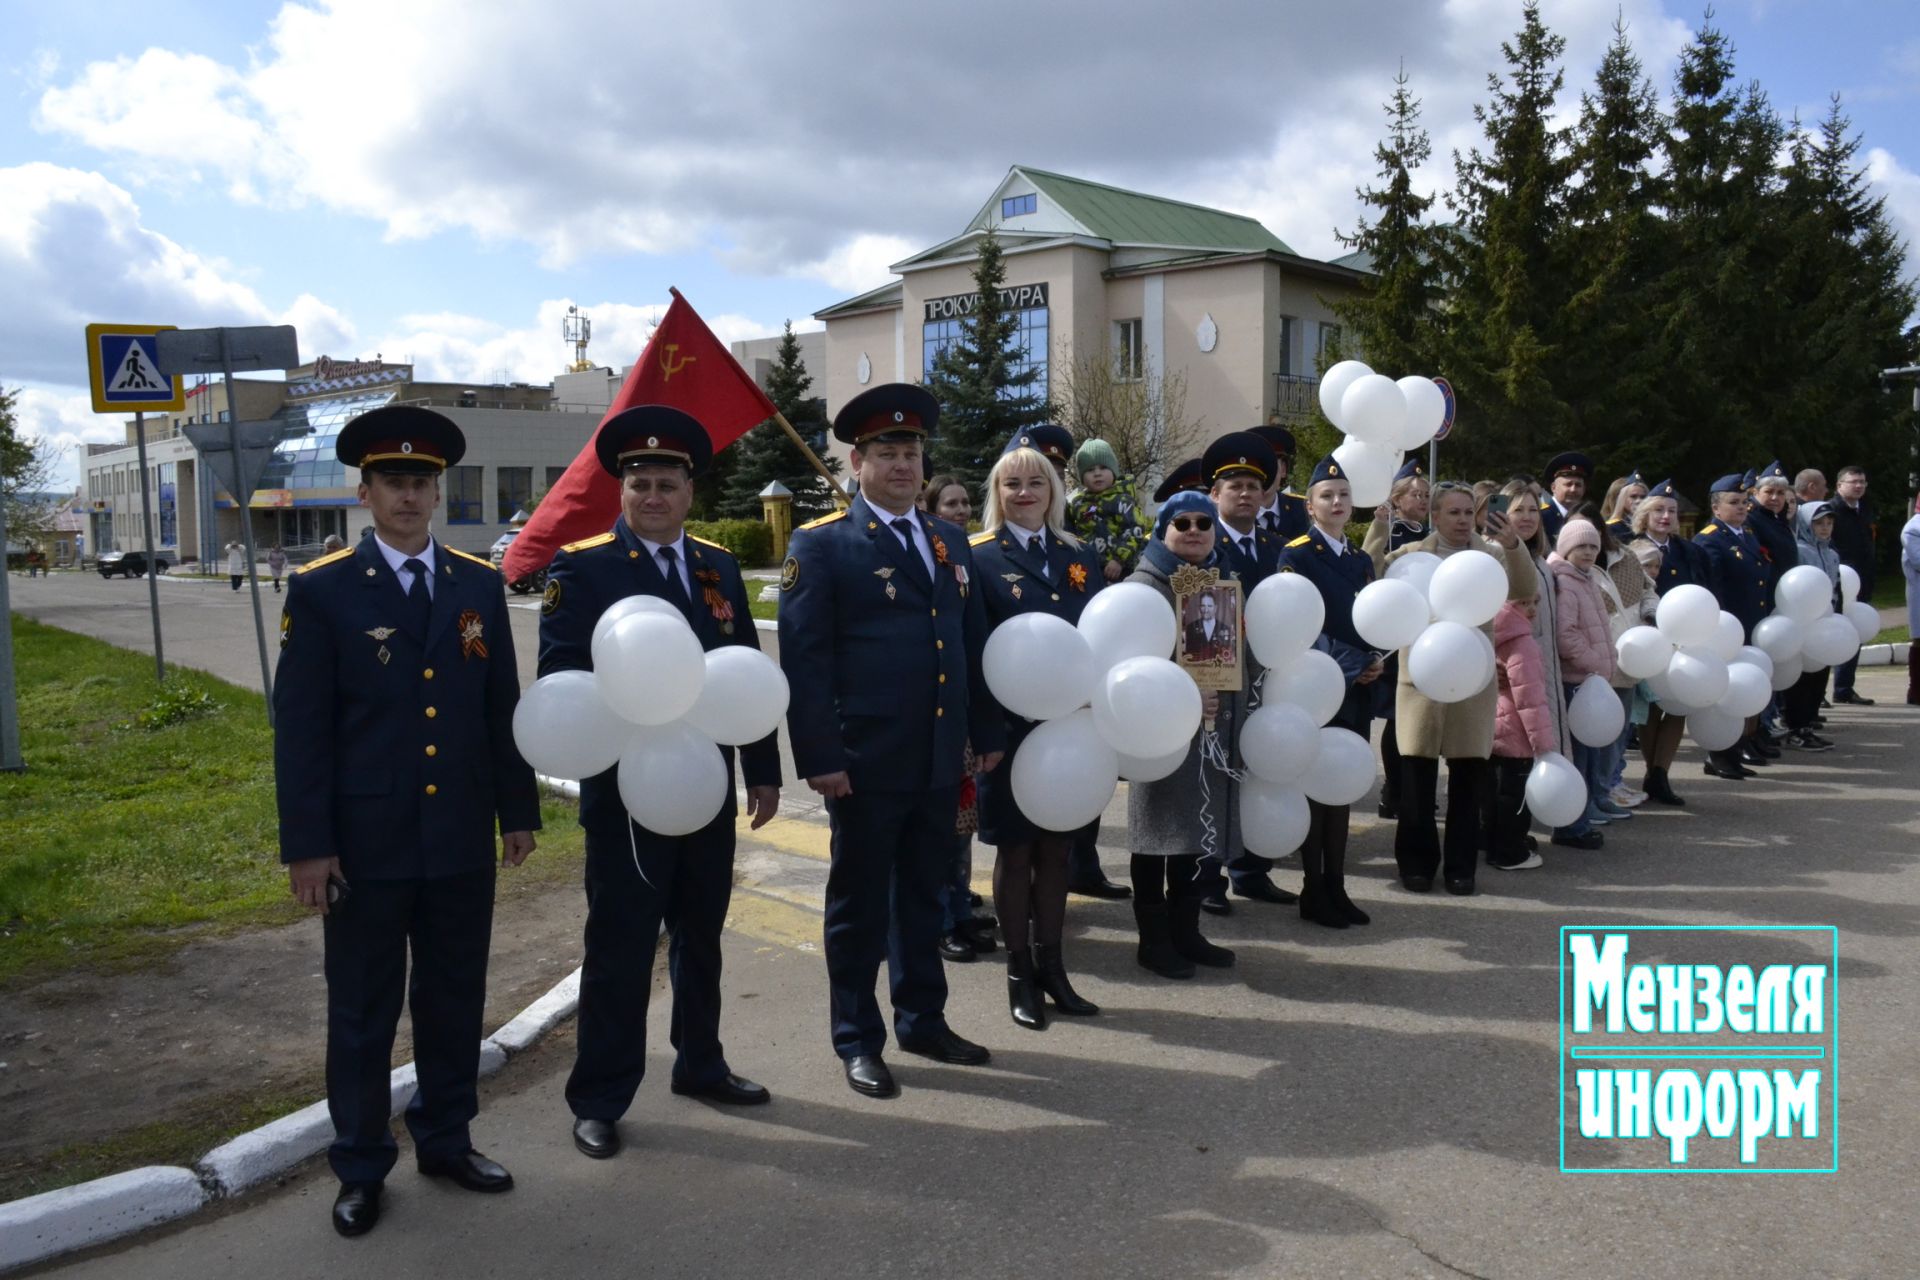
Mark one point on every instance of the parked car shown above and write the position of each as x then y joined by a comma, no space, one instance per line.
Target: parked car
128,564
536,581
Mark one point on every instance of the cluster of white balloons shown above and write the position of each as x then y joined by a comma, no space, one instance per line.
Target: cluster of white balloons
658,706
1434,608
1383,419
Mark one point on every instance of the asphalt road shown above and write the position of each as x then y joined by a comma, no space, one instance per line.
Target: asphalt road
1382,1101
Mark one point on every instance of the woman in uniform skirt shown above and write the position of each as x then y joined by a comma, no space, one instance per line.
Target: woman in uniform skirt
1026,561
1671,561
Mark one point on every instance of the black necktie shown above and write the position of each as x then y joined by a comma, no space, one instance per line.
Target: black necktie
1272,520
418,601
670,569
1246,547
904,527
1039,545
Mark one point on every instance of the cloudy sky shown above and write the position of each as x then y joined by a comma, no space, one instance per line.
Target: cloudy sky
437,181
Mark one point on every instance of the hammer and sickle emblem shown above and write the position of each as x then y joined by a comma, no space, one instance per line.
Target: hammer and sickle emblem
670,365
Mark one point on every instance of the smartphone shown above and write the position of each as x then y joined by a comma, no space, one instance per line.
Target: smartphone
1497,503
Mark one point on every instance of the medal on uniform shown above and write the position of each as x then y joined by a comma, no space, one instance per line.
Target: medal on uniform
472,634
381,633
715,599
1077,575
885,574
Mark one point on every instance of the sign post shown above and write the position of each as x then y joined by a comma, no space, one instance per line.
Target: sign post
10,759
123,367
258,347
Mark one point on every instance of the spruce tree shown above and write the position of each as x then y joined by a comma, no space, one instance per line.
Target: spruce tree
1506,260
1393,322
766,453
983,398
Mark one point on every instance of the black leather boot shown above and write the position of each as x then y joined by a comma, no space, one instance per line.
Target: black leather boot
1183,920
1659,788
1316,906
1023,993
1051,972
1156,952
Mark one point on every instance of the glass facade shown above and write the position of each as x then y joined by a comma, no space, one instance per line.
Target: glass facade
307,462
465,501
1030,341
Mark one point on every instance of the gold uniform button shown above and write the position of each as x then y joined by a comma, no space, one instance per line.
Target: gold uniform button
1056,595
633,555
936,613
431,713
939,711
427,674
432,750
943,679
432,790
939,644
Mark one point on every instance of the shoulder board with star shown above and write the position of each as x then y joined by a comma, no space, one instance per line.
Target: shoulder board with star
1302,540
484,564
597,540
829,518
980,539
311,565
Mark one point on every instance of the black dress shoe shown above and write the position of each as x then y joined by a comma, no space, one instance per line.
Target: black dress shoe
944,1046
1460,887
867,1074
978,931
732,1090
1098,886
471,1170
1728,769
973,899
596,1138
1214,902
1853,699
1585,840
356,1208
1418,884
957,947
1261,889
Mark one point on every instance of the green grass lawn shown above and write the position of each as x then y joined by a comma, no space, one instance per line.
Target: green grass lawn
118,836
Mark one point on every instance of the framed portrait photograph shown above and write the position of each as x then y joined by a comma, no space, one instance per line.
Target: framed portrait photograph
1211,646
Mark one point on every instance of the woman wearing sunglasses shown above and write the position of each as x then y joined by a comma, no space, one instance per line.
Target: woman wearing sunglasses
1461,733
1027,561
1170,821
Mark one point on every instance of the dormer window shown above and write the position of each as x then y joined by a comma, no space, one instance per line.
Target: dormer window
1014,206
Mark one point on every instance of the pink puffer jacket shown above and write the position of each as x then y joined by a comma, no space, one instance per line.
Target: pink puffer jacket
1523,722
1586,642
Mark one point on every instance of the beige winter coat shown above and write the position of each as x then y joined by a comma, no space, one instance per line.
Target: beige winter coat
1464,729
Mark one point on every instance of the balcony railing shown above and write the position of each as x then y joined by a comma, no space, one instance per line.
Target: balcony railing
1295,395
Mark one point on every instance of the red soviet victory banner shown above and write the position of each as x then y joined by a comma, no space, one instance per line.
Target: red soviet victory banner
684,366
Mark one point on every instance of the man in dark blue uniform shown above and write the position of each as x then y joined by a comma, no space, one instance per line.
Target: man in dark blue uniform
1742,581
1054,443
1568,475
1188,475
1283,512
1241,470
393,759
881,633
636,878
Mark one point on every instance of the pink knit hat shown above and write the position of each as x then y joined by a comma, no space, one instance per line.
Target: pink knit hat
1575,533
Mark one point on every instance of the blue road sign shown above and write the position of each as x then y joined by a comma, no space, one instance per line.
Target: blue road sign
1446,423
123,366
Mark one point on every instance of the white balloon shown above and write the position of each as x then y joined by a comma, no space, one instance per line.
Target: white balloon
650,667
1714,729
1779,636
1389,614
1670,702
1448,662
1312,682
1333,387
1688,615
565,729
1755,658
742,698
1344,771
1865,619
1146,707
1698,679
1135,769
1065,773
1426,410
1369,469
1469,587
1556,791
627,606
1786,673
1595,716
1416,569
1643,652
1279,742
1728,636
1849,586
1375,410
1127,620
1749,690
1831,641
673,779
1039,666
1284,615
1804,593
1273,818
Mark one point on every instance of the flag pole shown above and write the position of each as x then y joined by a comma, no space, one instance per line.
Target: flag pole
833,485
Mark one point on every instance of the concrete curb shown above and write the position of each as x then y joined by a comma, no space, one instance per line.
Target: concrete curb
1883,655
56,1222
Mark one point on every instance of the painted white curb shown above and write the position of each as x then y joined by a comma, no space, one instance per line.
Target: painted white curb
540,1017
56,1222
259,1156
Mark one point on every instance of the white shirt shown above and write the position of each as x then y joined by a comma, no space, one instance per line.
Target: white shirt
679,546
1337,545
396,560
918,542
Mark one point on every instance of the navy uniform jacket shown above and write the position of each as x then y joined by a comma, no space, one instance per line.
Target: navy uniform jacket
1775,534
883,663
1338,578
1255,569
588,576
1401,532
1552,519
1621,531
1681,564
1737,573
1287,519
394,750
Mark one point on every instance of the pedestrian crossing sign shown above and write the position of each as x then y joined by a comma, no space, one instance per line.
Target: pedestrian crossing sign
124,369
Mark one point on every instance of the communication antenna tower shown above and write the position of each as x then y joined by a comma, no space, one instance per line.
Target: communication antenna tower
577,329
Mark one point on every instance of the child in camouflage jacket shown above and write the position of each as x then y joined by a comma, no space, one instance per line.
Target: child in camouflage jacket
1105,510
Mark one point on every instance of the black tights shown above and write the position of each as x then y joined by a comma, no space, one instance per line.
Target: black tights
1157,879
1030,882
1324,851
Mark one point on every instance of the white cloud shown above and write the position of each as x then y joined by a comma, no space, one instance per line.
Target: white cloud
1901,186
859,264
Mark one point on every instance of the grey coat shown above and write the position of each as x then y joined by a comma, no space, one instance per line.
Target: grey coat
1164,818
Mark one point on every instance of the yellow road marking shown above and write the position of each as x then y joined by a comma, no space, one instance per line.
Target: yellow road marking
756,914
